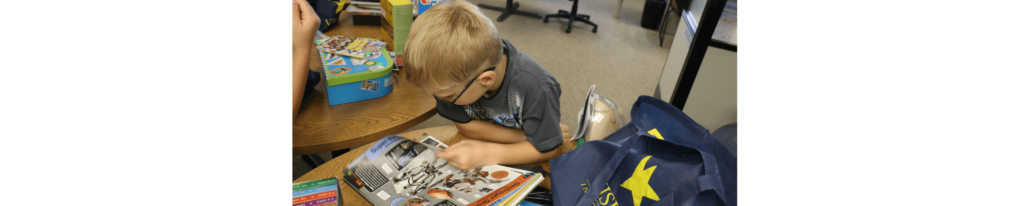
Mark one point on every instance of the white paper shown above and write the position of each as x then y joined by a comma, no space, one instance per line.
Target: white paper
387,168
384,195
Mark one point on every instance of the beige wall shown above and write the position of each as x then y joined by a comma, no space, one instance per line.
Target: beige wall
713,98
674,62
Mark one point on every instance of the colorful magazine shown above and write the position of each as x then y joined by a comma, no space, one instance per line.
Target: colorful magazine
399,171
364,48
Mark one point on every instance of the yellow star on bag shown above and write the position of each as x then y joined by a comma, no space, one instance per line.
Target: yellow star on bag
637,184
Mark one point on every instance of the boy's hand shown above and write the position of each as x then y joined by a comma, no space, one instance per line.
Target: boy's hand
469,154
305,23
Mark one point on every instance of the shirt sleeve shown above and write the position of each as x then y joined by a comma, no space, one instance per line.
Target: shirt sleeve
540,118
453,113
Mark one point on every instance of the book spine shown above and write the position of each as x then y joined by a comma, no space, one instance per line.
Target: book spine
510,194
314,191
314,184
314,197
387,24
388,34
501,191
328,200
521,193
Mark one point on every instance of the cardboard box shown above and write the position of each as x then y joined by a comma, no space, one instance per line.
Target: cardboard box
422,5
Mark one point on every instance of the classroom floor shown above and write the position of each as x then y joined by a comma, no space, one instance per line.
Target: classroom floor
622,58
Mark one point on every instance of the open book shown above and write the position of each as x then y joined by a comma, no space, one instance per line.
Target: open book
399,171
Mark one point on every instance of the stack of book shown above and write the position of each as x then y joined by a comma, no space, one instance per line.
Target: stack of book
323,192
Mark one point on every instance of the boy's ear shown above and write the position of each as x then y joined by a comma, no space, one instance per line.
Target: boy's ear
487,78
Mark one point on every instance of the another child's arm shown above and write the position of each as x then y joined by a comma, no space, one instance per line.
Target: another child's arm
305,22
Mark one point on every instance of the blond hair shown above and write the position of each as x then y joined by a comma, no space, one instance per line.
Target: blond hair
448,43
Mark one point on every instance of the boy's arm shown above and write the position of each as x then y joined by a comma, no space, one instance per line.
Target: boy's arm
521,153
488,131
469,154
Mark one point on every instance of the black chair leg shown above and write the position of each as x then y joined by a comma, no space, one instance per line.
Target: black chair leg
587,21
510,8
572,17
569,27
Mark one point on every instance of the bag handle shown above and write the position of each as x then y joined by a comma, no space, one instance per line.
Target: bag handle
607,171
709,181
709,143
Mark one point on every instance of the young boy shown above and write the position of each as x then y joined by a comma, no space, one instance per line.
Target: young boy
494,94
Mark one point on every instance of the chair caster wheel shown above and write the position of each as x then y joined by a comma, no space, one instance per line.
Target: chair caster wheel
595,30
568,30
545,20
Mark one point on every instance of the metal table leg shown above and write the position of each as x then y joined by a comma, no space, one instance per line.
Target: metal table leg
509,9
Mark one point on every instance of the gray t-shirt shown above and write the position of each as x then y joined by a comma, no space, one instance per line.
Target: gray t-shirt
527,100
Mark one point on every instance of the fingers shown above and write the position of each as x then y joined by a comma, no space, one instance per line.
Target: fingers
306,11
296,12
459,144
459,166
450,157
444,155
564,128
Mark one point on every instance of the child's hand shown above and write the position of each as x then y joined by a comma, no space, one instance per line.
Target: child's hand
565,132
305,23
469,154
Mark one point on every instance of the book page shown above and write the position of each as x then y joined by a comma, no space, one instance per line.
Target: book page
398,171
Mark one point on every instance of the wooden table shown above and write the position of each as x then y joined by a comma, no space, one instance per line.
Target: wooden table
323,128
447,134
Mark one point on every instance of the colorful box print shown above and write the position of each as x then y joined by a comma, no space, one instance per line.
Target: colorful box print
340,71
424,5
370,85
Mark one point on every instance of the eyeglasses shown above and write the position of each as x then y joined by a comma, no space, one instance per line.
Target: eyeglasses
450,103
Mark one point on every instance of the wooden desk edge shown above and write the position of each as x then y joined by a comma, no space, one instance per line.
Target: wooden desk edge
312,149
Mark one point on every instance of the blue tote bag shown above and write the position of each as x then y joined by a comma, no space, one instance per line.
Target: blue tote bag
695,170
328,11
